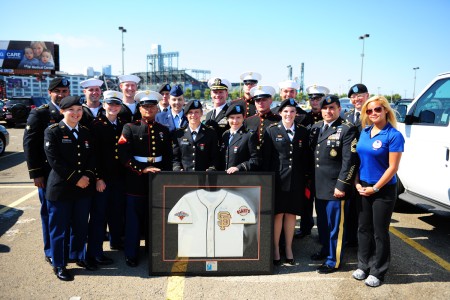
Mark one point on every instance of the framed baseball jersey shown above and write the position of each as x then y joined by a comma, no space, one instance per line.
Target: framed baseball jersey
211,223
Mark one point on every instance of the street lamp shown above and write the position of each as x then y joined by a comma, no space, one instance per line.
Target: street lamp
415,71
363,37
123,48
348,86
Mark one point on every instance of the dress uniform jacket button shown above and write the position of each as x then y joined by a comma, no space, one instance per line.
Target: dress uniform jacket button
79,171
317,166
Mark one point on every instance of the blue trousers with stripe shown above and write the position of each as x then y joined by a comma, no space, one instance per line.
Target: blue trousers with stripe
44,221
331,216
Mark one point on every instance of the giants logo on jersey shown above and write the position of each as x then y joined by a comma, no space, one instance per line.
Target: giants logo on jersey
223,219
243,210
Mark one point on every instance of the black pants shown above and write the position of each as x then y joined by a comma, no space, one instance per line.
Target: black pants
374,251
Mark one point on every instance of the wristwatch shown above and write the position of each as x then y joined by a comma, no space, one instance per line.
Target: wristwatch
375,189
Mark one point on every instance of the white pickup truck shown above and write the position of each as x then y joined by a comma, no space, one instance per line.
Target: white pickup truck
424,170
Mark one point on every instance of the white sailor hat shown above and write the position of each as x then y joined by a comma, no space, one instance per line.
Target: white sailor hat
112,96
250,77
148,97
289,84
132,78
91,82
317,90
217,83
262,91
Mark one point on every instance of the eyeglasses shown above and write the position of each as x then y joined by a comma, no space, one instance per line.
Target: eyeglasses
376,109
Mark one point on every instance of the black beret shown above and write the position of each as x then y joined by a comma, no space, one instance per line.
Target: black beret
58,82
287,102
234,109
176,90
164,88
330,99
70,101
358,88
193,104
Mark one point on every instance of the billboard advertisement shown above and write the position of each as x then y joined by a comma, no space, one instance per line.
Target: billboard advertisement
28,56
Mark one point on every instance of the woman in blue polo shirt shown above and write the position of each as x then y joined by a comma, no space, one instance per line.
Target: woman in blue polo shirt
380,148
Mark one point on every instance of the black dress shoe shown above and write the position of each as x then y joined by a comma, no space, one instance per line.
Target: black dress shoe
301,234
290,261
277,262
131,262
63,274
49,260
103,260
326,269
87,265
318,256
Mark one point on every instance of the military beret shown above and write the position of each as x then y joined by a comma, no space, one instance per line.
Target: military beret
70,101
193,104
287,102
358,88
176,90
58,82
165,88
234,109
329,100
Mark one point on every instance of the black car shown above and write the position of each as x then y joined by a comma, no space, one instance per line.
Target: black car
17,109
2,113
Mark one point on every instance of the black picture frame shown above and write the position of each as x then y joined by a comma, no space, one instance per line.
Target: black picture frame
231,242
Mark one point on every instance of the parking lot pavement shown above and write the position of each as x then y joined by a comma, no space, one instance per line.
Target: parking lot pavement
25,274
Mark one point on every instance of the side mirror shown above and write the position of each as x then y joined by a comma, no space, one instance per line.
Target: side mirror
401,112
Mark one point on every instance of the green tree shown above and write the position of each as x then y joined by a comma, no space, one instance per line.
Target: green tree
207,94
197,94
188,94
234,94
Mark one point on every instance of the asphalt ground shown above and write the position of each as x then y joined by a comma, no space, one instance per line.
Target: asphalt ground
420,268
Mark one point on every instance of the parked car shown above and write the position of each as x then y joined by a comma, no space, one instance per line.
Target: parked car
2,112
401,106
17,109
424,170
4,139
346,105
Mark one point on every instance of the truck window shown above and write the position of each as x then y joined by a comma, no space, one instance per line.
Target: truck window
433,107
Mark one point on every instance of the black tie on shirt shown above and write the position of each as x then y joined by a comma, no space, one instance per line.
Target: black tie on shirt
290,134
194,135
165,109
325,128
75,133
357,116
213,116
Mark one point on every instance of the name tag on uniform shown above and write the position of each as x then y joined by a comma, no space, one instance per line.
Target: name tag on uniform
184,143
279,139
235,149
66,140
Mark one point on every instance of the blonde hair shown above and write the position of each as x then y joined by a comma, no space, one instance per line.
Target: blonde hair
390,113
42,44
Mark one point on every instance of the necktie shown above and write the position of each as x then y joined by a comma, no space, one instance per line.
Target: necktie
357,116
290,134
75,133
165,109
213,116
231,138
324,129
194,135
177,121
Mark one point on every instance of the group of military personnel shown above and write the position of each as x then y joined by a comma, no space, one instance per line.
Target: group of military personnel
105,153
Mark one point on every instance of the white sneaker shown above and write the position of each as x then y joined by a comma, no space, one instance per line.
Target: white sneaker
372,281
359,275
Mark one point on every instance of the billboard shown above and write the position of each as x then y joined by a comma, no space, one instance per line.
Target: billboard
24,56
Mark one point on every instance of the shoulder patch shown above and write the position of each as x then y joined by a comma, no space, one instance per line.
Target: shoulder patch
82,126
53,125
43,106
272,125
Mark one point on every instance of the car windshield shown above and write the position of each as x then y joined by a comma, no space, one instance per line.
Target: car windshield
17,101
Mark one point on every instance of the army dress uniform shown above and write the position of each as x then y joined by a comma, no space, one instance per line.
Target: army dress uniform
201,154
335,163
218,121
33,141
70,156
289,160
109,205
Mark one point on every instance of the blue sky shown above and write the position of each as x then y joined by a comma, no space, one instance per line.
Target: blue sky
231,37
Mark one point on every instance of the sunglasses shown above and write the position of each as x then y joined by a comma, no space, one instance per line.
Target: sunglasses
376,109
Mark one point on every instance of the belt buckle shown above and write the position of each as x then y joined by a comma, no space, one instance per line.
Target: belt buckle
151,159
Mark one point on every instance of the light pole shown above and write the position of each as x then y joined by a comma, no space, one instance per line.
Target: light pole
362,37
348,86
414,90
123,49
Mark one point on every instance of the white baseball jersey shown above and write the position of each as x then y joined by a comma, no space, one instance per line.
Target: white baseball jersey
211,224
